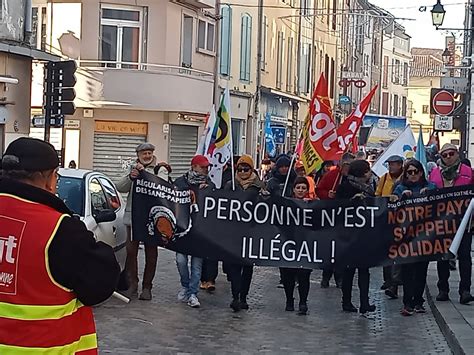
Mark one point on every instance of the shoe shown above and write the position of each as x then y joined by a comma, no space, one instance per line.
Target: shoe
452,264
211,286
442,296
131,292
392,292
367,308
235,305
420,309
193,302
324,283
145,295
338,283
349,307
465,297
406,311
204,285
243,303
183,295
384,286
290,305
280,285
302,309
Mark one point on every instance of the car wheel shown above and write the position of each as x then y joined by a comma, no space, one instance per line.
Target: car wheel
123,281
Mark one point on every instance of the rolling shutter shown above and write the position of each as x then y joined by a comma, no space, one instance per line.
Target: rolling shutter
182,148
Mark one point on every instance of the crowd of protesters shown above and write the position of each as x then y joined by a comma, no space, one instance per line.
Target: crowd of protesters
349,178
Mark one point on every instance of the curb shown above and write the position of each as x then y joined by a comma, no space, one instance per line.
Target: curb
453,342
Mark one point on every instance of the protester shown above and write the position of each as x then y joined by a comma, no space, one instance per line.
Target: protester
276,183
196,180
72,164
325,167
291,275
300,171
360,155
241,275
60,269
145,161
413,184
326,189
356,185
450,172
391,274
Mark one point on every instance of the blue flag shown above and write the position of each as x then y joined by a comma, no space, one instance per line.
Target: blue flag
421,152
270,146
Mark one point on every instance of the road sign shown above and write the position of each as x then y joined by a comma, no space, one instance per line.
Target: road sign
443,123
442,102
55,121
279,134
344,100
458,85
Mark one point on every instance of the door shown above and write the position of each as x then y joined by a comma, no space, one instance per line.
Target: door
182,148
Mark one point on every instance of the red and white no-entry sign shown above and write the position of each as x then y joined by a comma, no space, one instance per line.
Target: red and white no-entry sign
443,103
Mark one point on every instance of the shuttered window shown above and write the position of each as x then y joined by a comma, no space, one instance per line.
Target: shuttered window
245,47
182,148
225,47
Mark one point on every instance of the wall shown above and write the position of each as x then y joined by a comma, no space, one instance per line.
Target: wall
12,23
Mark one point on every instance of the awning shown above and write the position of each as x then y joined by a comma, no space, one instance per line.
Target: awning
28,52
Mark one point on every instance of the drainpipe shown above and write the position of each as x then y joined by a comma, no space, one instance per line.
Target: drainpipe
28,20
217,92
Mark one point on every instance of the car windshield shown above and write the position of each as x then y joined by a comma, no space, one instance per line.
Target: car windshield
71,191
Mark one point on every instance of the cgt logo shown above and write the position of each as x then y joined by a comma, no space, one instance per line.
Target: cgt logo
7,247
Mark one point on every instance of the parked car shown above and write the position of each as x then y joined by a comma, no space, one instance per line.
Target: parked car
93,197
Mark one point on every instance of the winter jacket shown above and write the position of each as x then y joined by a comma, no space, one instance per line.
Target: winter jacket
464,176
277,182
327,183
347,191
414,188
254,188
124,185
182,183
385,185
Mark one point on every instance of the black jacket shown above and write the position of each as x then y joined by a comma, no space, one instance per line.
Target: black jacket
277,182
253,190
347,191
76,260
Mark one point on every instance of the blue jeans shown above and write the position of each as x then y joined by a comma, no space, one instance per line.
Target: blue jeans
191,284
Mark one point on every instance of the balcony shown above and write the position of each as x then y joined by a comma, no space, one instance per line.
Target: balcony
143,87
202,4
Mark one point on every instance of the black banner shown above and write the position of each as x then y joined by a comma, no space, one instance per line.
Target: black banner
276,231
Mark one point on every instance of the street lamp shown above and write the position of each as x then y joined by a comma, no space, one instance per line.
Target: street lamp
437,14
446,56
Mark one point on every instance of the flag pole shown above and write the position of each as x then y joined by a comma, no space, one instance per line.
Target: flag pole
293,158
231,144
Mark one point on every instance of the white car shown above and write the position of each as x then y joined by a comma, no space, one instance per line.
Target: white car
93,197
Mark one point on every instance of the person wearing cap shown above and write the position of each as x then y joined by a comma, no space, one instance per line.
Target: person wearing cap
325,190
241,275
196,180
391,274
451,172
356,184
55,267
276,183
145,161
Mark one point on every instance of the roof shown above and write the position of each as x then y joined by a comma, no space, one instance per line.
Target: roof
426,62
26,51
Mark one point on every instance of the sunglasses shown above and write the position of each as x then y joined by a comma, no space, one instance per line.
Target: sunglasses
412,172
448,154
243,169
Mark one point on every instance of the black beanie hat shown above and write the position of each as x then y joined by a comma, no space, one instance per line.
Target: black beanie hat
29,154
358,168
283,160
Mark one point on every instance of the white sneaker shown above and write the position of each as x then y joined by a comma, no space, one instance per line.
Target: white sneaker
183,295
193,301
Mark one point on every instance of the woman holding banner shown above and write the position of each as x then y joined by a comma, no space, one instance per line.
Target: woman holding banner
413,183
291,275
356,185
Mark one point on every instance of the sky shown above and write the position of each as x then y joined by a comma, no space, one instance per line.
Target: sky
421,29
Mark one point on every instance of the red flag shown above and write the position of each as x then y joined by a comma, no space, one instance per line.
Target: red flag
355,145
322,129
349,128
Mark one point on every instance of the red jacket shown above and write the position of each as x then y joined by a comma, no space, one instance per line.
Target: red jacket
328,183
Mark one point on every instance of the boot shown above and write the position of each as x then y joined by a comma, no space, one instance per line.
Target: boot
145,295
348,307
290,305
235,305
392,292
465,297
243,303
367,308
442,296
302,309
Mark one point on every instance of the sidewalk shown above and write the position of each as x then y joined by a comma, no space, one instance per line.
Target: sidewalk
455,320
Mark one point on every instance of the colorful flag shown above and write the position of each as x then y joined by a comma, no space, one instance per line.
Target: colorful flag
308,155
220,152
206,136
404,146
348,130
270,146
421,151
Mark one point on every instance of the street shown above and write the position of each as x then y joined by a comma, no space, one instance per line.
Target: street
166,326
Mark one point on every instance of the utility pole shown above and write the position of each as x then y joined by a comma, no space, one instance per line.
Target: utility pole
258,81
217,92
467,137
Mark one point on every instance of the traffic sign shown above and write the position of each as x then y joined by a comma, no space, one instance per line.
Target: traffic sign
443,123
344,100
279,134
442,102
458,85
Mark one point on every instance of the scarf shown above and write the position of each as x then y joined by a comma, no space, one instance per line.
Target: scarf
252,180
361,185
195,178
449,172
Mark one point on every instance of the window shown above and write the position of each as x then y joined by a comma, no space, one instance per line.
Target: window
395,105
304,7
38,36
237,136
97,195
304,74
385,72
280,58
226,33
206,36
333,78
187,42
264,42
425,109
396,71
405,74
404,106
121,35
385,99
113,200
245,47
289,65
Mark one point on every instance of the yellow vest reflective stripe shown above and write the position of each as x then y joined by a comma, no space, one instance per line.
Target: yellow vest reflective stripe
26,312
86,342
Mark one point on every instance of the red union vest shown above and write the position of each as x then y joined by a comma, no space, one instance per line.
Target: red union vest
37,315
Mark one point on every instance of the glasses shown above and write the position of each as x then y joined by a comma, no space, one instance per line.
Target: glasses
412,172
448,154
243,170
